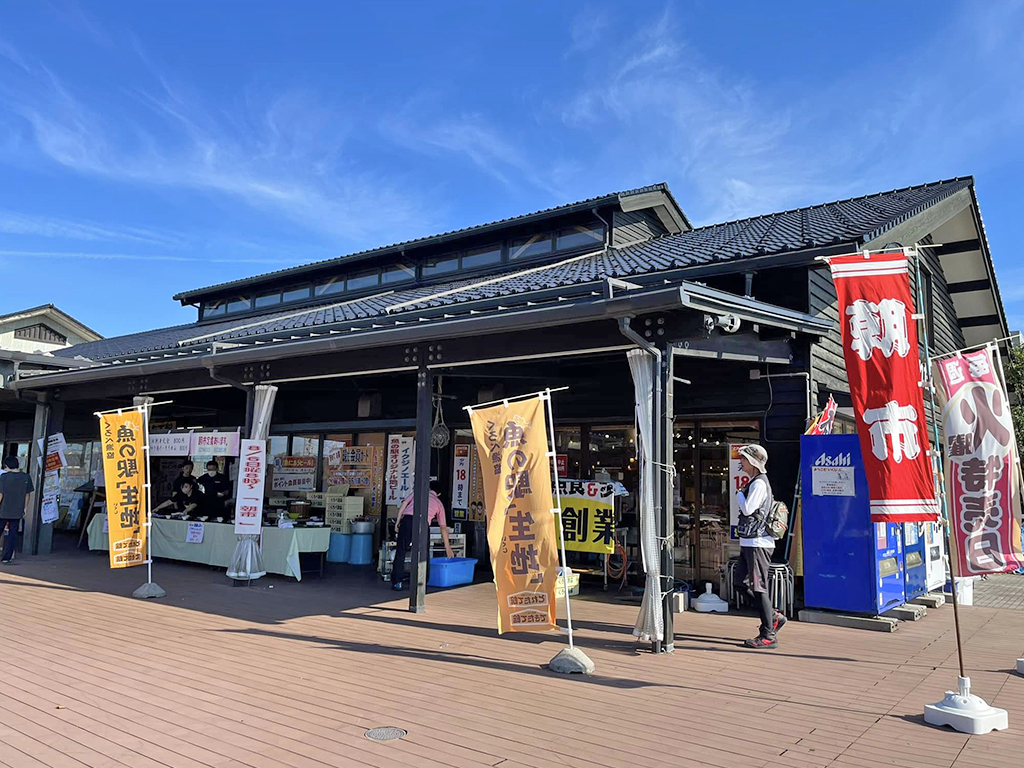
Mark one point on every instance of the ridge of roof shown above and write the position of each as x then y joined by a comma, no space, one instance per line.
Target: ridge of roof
54,308
439,236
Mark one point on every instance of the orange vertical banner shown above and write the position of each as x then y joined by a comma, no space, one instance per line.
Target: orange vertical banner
122,436
512,443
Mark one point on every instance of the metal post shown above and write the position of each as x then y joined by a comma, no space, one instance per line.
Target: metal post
952,545
35,470
666,465
551,454
421,491
657,456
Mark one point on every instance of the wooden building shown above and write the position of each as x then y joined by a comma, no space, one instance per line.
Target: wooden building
743,312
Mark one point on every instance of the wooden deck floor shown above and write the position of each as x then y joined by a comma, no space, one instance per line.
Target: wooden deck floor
295,674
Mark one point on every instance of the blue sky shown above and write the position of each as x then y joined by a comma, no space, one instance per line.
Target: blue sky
147,148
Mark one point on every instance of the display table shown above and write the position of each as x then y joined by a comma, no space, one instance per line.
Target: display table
281,546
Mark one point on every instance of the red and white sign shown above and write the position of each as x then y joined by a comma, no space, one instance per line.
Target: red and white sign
980,465
825,422
251,473
884,369
214,444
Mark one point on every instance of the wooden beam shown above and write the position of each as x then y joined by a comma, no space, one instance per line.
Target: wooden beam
917,228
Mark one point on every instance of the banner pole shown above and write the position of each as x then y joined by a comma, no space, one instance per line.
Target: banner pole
558,510
149,589
952,545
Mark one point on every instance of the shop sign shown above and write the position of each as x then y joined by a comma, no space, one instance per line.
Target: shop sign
460,482
167,424
588,515
124,467
377,482
214,444
883,365
173,444
55,449
738,480
512,445
194,533
294,464
249,494
981,465
353,478
294,481
401,469
358,455
833,475
562,464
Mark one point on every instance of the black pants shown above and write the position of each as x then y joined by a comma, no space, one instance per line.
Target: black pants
753,574
406,529
11,542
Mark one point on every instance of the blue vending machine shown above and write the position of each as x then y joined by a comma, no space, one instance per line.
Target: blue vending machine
850,564
915,560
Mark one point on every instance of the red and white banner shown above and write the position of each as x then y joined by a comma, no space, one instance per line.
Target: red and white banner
884,369
826,419
981,465
249,494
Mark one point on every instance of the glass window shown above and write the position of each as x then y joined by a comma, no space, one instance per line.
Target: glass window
239,304
331,286
577,237
305,445
214,308
440,265
268,299
398,273
363,280
481,257
613,455
569,444
530,246
297,294
278,446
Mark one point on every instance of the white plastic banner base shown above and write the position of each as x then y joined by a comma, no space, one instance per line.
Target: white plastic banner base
964,712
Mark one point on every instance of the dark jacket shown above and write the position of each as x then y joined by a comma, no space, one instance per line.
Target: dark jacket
755,524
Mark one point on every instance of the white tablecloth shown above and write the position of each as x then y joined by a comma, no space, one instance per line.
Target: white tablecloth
281,546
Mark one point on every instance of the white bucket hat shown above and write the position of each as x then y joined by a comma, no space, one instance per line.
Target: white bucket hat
756,455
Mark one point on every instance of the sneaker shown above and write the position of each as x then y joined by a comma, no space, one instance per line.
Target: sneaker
5,562
780,622
761,643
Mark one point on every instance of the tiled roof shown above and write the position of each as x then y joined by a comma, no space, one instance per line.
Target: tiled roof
439,237
854,221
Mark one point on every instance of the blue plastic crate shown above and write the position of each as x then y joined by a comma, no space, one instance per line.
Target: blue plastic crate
451,571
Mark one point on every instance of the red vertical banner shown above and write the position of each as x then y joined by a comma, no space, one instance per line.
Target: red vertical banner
883,366
981,465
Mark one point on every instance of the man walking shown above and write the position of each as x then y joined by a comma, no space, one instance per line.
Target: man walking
757,544
15,487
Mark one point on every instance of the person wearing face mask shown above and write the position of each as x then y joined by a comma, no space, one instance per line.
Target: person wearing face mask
216,488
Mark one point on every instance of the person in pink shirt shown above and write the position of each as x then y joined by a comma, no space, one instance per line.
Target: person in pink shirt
406,527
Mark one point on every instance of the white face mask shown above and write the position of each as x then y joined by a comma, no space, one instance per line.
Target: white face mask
211,472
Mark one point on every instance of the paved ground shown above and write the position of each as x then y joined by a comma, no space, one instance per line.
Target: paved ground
294,675
1003,591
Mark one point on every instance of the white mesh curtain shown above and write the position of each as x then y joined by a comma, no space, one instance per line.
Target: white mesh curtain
650,623
247,561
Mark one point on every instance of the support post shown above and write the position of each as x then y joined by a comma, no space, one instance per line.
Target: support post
421,491
666,466
54,424
250,410
30,540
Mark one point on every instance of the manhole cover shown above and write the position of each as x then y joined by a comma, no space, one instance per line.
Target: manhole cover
390,733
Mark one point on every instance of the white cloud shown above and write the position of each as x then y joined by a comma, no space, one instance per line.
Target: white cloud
284,155
587,29
89,256
15,223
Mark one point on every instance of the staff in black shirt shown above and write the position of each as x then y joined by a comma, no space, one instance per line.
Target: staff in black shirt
186,474
187,500
216,488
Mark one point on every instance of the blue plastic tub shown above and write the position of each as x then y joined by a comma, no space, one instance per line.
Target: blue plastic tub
340,548
451,571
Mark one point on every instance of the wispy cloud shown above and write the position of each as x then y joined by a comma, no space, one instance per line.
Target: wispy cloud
15,223
89,256
587,29
284,154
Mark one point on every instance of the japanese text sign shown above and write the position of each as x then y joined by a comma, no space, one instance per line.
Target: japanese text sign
884,369
401,470
249,494
172,444
460,479
194,533
125,467
214,444
588,515
981,465
295,464
512,444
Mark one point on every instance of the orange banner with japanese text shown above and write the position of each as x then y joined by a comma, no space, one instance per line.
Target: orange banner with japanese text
122,436
512,442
